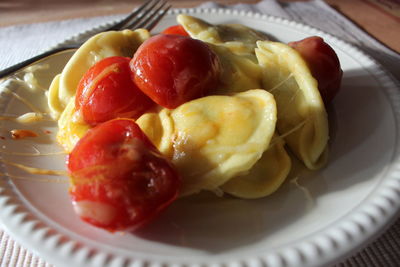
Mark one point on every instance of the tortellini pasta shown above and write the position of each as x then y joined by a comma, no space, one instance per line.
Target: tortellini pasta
277,68
70,128
211,140
233,140
239,73
239,39
301,112
265,177
215,138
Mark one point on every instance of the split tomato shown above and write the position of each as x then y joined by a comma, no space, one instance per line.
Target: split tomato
107,91
119,180
323,63
173,69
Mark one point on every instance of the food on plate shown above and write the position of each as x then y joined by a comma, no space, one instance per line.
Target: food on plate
229,110
239,73
301,111
214,138
70,128
234,45
264,177
173,69
22,133
119,180
106,91
107,44
238,38
323,63
281,70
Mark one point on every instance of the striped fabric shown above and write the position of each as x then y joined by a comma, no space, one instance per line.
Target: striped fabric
12,254
385,251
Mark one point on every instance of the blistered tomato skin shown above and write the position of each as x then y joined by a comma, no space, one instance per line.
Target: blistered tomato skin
176,29
107,91
119,180
173,69
323,63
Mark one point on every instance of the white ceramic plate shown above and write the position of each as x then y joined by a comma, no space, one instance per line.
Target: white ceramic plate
333,212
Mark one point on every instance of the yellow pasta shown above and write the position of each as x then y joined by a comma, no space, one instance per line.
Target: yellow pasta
233,140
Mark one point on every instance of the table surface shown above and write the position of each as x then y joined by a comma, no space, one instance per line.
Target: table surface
380,18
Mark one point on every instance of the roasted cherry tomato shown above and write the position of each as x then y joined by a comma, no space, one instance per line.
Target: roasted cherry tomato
323,63
173,69
119,180
176,29
107,91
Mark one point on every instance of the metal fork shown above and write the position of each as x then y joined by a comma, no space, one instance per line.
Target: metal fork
146,16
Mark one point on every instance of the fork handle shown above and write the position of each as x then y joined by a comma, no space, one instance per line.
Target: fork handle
23,64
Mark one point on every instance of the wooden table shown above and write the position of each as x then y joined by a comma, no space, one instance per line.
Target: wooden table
381,18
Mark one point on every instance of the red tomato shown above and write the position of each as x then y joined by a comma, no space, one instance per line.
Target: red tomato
106,91
119,180
173,69
176,29
323,63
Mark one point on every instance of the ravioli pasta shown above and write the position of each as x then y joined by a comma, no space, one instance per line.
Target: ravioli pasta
234,140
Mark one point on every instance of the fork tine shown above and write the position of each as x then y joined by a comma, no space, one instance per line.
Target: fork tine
147,15
154,21
141,15
134,13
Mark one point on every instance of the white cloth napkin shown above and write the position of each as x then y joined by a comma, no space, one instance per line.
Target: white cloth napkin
23,41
